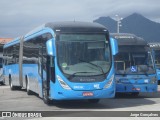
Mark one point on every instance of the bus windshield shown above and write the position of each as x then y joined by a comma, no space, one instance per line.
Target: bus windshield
134,60
157,58
83,54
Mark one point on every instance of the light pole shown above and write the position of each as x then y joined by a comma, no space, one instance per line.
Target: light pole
118,19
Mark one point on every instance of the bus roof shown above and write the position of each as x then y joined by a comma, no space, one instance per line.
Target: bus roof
14,41
70,27
155,46
65,27
128,39
75,26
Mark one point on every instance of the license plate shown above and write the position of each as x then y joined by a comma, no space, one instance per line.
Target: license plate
87,94
137,89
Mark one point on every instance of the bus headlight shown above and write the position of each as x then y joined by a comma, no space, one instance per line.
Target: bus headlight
62,83
153,80
109,82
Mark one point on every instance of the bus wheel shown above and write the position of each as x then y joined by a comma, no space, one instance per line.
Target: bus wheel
93,100
29,92
2,83
135,93
11,84
46,100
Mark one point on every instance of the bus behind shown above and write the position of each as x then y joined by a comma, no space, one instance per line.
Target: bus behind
134,65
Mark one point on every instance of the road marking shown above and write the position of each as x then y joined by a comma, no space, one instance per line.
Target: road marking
2,87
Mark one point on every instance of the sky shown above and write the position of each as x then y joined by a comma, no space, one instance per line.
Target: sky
18,17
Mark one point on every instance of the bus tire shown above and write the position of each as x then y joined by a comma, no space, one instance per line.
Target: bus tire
11,84
2,83
93,100
46,100
29,92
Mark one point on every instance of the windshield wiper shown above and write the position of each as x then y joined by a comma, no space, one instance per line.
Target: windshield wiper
73,75
93,65
144,70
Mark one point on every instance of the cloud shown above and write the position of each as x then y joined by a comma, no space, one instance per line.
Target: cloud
18,17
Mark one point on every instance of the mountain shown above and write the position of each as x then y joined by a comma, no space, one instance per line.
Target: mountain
135,24
108,23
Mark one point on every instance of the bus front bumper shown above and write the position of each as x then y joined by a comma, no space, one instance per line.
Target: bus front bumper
79,95
136,87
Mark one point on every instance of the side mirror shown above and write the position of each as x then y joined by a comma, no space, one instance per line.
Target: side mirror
114,46
50,47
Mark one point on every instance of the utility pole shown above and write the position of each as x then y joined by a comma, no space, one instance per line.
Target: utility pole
118,19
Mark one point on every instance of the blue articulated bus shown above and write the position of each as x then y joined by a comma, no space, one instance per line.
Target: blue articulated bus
63,61
156,52
134,65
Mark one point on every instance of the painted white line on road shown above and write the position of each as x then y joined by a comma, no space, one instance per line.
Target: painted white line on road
2,87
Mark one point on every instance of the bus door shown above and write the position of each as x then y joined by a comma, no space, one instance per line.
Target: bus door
47,71
43,70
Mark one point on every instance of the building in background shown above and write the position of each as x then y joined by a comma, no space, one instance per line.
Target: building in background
5,40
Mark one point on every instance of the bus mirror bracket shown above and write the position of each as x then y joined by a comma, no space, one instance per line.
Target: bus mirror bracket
49,46
114,46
